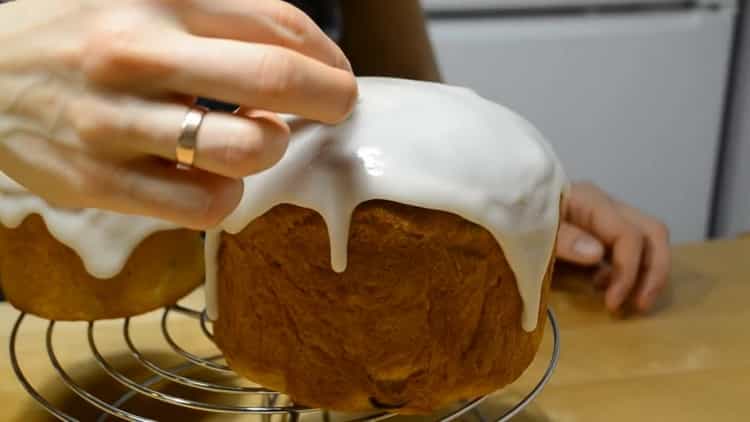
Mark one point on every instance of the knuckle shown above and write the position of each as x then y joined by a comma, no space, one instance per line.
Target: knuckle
305,34
632,235
106,51
275,74
293,19
241,158
90,121
125,184
639,237
92,179
101,122
121,119
91,185
115,52
252,150
660,231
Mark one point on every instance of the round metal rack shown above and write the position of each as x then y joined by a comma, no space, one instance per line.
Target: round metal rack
271,403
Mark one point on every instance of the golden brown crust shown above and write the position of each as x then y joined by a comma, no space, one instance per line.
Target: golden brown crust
427,312
42,276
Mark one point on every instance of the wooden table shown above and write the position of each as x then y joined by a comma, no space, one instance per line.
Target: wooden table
688,361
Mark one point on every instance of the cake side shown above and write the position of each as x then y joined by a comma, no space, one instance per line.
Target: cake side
427,312
44,277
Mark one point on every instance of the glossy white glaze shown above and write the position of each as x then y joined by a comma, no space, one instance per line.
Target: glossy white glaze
104,240
422,144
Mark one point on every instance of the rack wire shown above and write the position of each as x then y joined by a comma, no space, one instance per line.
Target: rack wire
272,403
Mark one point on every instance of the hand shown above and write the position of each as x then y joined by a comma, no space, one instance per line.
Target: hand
596,227
93,94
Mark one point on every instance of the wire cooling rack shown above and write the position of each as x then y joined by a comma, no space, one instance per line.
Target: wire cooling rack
272,404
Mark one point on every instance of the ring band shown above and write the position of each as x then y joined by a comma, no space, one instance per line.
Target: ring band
188,139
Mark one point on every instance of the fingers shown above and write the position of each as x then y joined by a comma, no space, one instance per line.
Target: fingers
231,145
259,76
144,186
656,258
576,246
592,210
264,22
639,244
148,186
626,257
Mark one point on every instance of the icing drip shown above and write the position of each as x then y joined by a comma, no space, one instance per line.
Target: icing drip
103,240
421,144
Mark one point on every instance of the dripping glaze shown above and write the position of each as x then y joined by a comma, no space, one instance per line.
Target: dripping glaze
421,144
103,240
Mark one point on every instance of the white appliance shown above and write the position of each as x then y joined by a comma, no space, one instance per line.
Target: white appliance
733,199
630,92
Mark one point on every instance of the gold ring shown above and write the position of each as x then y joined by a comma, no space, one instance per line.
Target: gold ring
188,140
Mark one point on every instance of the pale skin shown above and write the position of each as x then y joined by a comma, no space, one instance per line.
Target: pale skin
93,92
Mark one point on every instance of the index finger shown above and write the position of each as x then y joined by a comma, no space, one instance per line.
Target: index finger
261,21
592,210
260,76
257,76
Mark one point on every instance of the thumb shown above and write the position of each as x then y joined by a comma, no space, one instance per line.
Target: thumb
577,246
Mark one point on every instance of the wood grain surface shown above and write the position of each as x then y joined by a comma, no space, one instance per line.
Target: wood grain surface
687,361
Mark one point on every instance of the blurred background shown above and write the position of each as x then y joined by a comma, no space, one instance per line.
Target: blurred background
646,97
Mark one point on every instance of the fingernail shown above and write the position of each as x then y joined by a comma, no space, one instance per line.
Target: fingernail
587,247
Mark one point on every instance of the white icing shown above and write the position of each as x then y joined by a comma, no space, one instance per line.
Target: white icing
417,143
421,144
104,240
